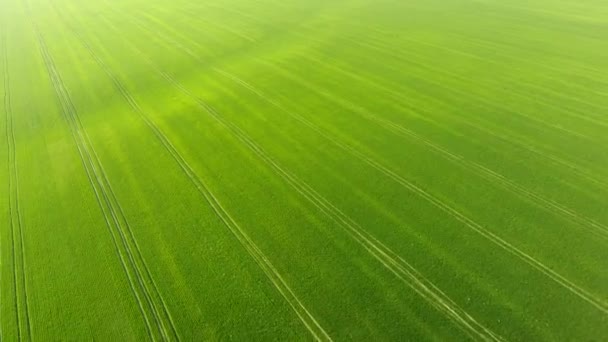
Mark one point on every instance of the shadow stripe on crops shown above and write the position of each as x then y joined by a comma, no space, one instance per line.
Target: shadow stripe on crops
254,251
389,259
21,302
111,211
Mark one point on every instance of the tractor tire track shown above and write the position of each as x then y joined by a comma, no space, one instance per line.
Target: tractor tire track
527,145
133,104
578,170
577,290
383,48
389,259
21,304
482,124
380,46
405,272
595,301
93,181
598,229
112,213
249,245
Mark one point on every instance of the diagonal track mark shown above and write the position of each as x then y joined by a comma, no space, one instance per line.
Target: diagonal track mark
263,262
398,266
21,304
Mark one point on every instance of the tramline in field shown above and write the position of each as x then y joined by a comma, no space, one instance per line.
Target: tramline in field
303,170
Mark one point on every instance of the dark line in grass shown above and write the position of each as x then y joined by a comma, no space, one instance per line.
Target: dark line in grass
236,230
15,217
388,258
454,213
594,227
138,255
89,168
97,184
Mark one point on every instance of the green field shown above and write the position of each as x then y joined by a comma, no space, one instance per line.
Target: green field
256,170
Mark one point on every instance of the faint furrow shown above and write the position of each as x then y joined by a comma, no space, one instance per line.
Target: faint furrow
597,302
517,141
381,253
459,316
263,262
151,17
554,207
510,137
468,222
524,144
483,43
513,140
551,206
489,104
93,169
21,304
91,178
122,90
381,47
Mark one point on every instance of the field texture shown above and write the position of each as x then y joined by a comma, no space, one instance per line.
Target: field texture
304,169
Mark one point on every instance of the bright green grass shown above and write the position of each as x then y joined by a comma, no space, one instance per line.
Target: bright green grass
291,170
